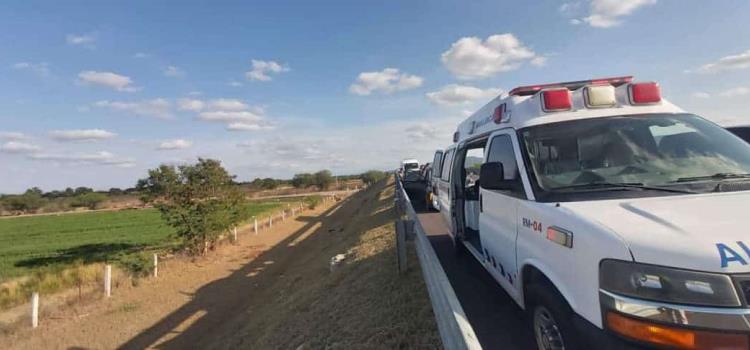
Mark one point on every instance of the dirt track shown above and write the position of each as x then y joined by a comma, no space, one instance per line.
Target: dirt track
273,290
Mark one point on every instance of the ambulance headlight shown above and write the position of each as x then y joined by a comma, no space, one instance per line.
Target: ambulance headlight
668,285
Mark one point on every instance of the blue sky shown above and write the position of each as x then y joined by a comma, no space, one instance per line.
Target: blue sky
94,93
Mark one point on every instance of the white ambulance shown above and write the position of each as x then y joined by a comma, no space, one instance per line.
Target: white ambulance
613,217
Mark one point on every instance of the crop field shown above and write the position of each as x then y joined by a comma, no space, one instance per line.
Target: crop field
51,242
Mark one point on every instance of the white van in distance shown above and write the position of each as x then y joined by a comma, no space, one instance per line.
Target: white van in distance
613,217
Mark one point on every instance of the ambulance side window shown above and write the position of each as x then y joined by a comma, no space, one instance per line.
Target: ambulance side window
446,167
501,150
436,163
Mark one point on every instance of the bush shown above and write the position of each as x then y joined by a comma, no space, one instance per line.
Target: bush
312,202
138,265
89,200
28,202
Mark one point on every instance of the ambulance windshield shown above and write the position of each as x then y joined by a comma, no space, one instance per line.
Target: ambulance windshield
651,150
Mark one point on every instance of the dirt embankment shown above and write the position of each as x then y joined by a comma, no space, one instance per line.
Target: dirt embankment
271,291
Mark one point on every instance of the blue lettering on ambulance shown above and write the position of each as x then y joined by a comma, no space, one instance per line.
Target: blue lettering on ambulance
728,255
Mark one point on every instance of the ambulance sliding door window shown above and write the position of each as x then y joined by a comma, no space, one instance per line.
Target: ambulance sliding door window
446,168
436,163
501,150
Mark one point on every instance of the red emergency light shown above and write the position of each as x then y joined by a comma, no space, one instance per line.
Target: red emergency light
570,85
644,93
555,100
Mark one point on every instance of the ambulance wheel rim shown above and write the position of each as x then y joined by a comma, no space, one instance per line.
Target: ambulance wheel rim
546,331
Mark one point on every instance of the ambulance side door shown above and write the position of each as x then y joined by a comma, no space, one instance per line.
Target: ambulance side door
498,217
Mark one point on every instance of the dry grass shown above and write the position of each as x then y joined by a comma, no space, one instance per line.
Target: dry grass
363,304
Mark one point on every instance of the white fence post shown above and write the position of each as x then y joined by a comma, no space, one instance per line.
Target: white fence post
35,310
255,225
234,233
108,280
156,265
283,215
270,221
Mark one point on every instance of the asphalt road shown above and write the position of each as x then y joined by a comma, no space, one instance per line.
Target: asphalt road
497,321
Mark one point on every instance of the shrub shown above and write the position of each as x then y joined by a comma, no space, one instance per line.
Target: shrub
89,200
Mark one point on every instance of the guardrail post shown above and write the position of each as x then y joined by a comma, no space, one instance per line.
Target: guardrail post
156,265
108,281
35,310
401,245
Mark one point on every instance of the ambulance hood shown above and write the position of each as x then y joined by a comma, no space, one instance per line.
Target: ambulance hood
706,232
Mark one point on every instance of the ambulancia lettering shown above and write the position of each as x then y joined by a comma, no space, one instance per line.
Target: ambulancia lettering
729,255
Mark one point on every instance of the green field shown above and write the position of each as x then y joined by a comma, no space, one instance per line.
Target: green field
55,241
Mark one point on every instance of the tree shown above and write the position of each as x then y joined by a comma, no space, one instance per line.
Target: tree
82,190
35,191
323,179
114,191
302,180
201,201
372,176
30,201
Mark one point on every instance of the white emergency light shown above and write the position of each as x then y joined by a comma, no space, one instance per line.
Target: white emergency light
599,96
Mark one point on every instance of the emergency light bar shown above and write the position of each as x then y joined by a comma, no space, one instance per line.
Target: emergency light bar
570,85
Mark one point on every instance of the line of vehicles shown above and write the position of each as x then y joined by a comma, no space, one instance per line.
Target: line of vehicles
611,216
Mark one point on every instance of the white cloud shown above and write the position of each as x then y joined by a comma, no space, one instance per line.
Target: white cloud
41,68
12,135
157,108
262,70
231,116
107,79
454,94
235,83
388,80
86,40
174,72
175,144
141,55
569,7
190,104
731,62
219,104
472,58
734,92
82,135
608,13
701,94
246,126
422,131
227,104
16,147
97,158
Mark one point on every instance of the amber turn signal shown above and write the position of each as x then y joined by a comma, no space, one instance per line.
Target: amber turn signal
674,337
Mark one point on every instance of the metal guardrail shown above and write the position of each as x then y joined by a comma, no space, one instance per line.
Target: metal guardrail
455,330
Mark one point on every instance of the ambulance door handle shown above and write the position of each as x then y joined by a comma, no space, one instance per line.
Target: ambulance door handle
480,203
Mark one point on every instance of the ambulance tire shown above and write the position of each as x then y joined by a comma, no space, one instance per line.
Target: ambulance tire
546,309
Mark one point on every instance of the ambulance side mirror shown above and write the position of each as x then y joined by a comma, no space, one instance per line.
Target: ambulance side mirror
492,177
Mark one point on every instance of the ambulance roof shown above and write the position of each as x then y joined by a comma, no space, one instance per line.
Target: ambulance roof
525,106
